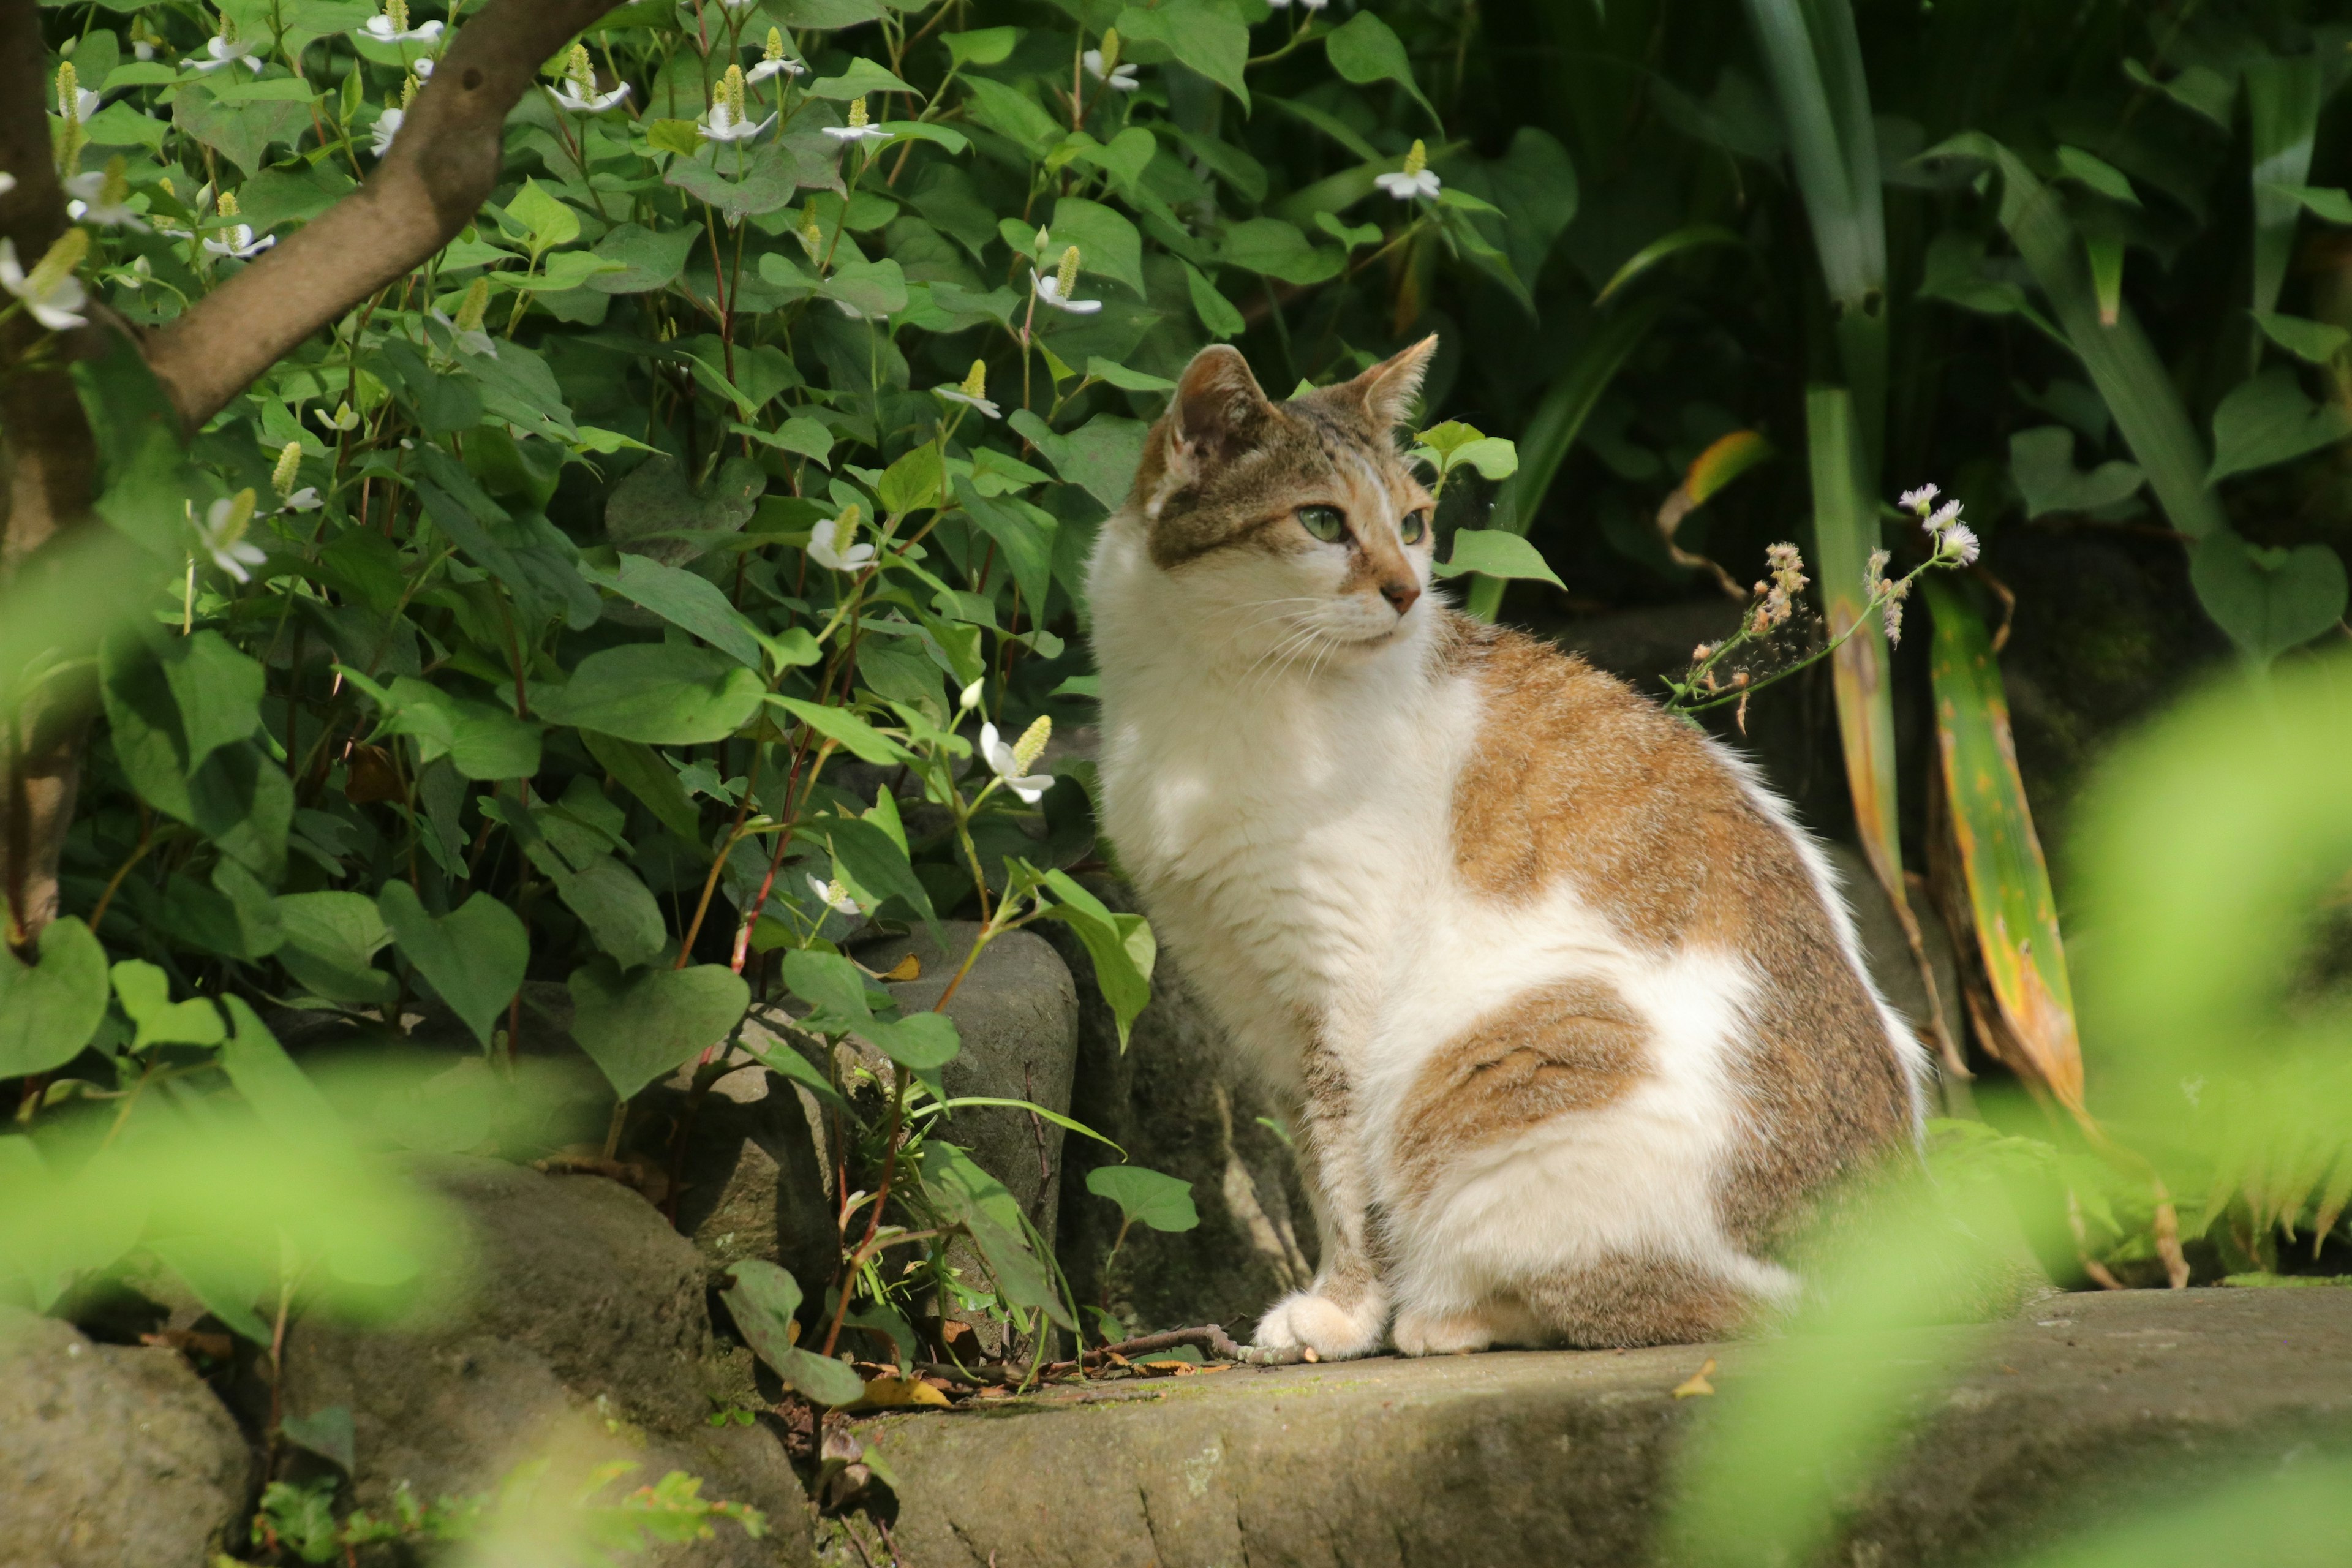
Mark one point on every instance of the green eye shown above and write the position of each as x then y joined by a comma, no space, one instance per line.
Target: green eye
1328,523
1414,527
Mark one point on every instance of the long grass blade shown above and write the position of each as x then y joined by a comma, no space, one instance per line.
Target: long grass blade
1553,428
2016,915
2284,96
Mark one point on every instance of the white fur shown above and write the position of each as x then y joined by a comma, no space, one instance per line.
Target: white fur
1279,767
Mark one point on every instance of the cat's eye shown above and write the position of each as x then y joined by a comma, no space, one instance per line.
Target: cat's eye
1414,527
1328,523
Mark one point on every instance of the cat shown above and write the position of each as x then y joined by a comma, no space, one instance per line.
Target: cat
1571,1011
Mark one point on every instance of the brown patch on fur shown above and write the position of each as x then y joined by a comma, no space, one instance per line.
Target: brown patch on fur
1571,1046
1576,777
1621,1302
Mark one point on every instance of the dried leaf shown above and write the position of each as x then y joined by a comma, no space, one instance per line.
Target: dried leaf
1695,1386
907,968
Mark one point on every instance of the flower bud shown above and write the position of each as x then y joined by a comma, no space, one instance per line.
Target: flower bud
1111,51
474,307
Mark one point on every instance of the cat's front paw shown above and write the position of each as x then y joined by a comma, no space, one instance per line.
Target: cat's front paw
1320,1325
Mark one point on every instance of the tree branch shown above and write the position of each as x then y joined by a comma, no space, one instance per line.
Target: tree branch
441,168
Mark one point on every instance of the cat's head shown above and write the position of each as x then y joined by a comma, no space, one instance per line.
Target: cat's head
1298,520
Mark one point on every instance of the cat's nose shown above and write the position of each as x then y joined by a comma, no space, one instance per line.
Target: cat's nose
1400,593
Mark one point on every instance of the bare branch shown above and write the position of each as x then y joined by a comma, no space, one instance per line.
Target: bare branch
441,169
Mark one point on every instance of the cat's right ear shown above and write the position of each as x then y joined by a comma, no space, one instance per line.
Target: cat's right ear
1220,408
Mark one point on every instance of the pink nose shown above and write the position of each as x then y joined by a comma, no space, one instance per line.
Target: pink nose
1401,594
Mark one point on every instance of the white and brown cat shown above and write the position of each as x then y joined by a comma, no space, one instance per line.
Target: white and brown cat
1571,1010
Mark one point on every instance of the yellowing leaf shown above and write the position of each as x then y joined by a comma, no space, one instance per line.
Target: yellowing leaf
1697,1385
901,1393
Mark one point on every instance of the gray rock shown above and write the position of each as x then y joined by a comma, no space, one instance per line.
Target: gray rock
114,1456
1017,1013
751,1184
2107,1402
1178,1101
568,1320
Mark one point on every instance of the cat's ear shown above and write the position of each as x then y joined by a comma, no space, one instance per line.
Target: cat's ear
1220,409
1386,390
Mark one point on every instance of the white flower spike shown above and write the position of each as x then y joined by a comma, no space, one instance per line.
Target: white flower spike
222,534
1415,179
225,48
50,291
237,241
830,548
1057,288
726,120
75,102
390,26
577,92
1012,763
287,476
1103,65
103,198
857,130
973,392
468,329
775,62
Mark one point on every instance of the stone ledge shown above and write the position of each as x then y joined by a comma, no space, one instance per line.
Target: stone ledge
1560,1457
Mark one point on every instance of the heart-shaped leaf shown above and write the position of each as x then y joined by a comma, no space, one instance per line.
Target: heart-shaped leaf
665,694
1491,553
146,993
473,956
762,1300
2271,420
48,1010
327,1433
638,1027
2042,462
1145,1197
2268,600
332,940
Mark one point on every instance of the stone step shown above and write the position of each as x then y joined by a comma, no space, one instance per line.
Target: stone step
1562,1457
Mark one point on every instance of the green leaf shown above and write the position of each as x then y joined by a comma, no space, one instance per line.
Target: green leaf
982,45
1694,237
980,1202
1099,456
1216,312
1126,380
1109,245
638,769
1011,113
912,483
281,1094
856,737
874,290
481,740
2326,203
146,995
1491,553
2042,463
678,136
2268,600
876,862
2285,95
473,956
643,1026
1365,50
1277,249
2314,342
678,597
332,940
1120,945
617,908
547,221
646,258
859,77
2270,420
664,694
1147,1197
768,181
2097,173
762,1300
1202,34
1023,535
50,1010
227,1277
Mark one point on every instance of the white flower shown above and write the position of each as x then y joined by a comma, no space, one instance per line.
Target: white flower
387,126
1050,287
829,547
224,51
7,182
1943,517
1959,542
50,291
857,129
723,123
1920,499
102,197
1119,78
421,68
390,25
777,66
304,499
237,241
341,419
86,102
835,897
1008,763
222,533
134,276
571,97
1415,179
973,392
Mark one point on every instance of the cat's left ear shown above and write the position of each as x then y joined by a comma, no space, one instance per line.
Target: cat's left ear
1386,390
